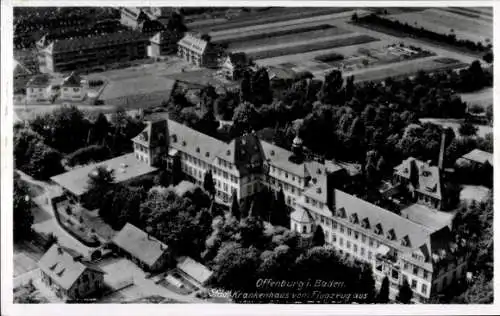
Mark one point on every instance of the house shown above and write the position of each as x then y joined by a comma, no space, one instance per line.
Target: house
162,43
39,89
279,76
198,51
234,65
143,249
69,275
193,271
72,88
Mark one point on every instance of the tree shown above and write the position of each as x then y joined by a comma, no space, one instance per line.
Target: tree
162,179
246,88
177,174
208,183
245,119
235,207
280,213
318,238
100,129
405,293
251,232
467,128
488,57
329,93
98,185
23,219
383,295
45,162
176,23
261,88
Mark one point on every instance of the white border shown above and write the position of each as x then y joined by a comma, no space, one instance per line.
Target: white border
195,309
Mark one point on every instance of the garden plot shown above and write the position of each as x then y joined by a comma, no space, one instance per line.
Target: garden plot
304,47
447,23
290,37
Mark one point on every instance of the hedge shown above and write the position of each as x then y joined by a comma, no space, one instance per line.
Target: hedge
88,154
329,57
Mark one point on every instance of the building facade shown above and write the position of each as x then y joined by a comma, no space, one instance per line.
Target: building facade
95,52
39,89
197,51
429,259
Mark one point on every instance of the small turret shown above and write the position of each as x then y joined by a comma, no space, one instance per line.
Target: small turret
297,150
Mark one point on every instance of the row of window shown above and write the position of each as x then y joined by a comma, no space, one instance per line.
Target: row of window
280,172
314,203
286,187
141,148
416,270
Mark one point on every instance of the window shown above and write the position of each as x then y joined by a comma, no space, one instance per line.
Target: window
341,228
363,238
424,289
349,232
415,270
341,241
371,242
362,251
348,244
405,266
426,275
334,225
395,274
369,255
413,284
304,229
355,247
356,235
286,175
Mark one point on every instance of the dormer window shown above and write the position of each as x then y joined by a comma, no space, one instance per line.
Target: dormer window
319,171
318,190
174,138
391,234
354,218
405,241
228,152
365,223
341,212
272,152
207,154
378,229
197,149
184,143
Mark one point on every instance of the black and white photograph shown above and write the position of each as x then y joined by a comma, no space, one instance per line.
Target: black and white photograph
242,155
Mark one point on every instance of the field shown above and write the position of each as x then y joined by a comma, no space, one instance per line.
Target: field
309,47
447,22
241,45
270,16
406,68
482,98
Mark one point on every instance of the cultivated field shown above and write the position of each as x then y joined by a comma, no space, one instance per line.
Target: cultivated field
447,21
318,44
483,97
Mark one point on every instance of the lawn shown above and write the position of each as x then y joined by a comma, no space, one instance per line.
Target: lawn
309,47
287,37
447,22
272,16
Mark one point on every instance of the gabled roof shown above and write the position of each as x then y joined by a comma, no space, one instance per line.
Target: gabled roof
417,234
64,266
280,73
199,145
73,80
163,37
429,179
426,216
154,134
245,153
238,59
139,244
194,43
194,269
479,156
20,69
39,81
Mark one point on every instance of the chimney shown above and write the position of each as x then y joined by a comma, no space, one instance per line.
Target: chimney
441,151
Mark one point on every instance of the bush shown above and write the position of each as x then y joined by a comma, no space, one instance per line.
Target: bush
88,154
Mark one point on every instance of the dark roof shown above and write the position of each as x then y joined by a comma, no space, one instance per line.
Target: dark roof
245,153
64,266
39,81
429,180
239,59
139,244
73,80
154,134
76,44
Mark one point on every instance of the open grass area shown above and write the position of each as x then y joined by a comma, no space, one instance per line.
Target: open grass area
309,47
269,16
406,69
286,37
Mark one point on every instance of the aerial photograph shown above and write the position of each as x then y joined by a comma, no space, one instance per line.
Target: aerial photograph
252,155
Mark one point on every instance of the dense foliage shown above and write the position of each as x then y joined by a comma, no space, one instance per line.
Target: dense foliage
23,219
